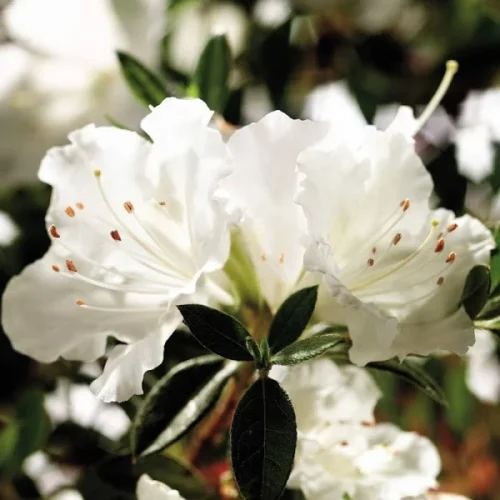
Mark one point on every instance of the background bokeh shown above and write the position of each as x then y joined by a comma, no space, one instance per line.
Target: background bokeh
53,79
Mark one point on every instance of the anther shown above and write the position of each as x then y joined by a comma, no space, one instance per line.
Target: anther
282,258
263,256
69,211
440,281
439,246
115,235
405,205
397,238
374,250
97,173
451,258
80,205
55,268
344,443
80,303
434,223
71,267
128,207
451,227
370,262
53,232
440,235
162,203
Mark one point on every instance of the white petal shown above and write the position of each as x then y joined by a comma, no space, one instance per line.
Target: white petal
149,489
8,230
475,152
127,364
263,185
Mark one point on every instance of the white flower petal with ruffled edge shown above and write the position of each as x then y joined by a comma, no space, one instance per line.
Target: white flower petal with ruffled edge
395,266
263,186
133,230
149,489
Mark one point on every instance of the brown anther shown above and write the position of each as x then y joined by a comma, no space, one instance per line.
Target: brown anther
405,205
370,262
366,423
70,211
439,245
397,238
55,268
115,235
162,203
451,227
71,267
263,256
80,205
451,258
374,250
344,443
128,207
53,232
282,258
440,281
80,303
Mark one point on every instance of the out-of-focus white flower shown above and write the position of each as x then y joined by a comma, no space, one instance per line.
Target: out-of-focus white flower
61,71
8,230
135,230
271,12
478,129
77,403
193,23
483,368
340,450
149,489
439,496
256,103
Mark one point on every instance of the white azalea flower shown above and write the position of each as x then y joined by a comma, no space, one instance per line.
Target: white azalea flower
8,230
340,450
134,230
395,268
483,368
263,186
478,129
62,72
149,489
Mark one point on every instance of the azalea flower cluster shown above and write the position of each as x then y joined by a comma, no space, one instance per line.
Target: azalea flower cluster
141,225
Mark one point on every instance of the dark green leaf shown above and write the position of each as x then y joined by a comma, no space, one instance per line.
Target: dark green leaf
212,73
462,406
413,374
309,348
177,402
476,290
148,89
495,262
263,439
292,318
217,331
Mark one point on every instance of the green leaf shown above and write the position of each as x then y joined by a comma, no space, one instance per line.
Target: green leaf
148,89
263,440
414,375
309,348
476,290
217,331
212,73
177,402
292,318
9,437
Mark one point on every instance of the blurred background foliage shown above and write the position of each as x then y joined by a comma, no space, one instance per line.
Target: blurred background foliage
388,51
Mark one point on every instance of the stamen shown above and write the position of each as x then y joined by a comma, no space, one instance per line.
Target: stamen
439,246
282,258
370,262
70,212
80,303
440,281
451,227
405,205
440,235
115,235
97,173
451,69
53,232
80,205
162,203
397,238
55,268
263,256
124,310
451,258
128,207
71,266
374,250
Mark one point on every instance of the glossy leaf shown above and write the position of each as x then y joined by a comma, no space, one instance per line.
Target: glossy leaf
217,331
306,349
212,73
263,440
147,88
292,318
476,290
177,402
